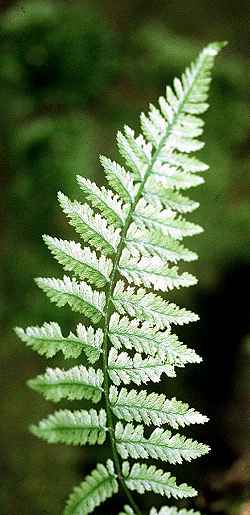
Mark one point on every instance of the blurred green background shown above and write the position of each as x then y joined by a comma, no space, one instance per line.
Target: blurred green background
71,73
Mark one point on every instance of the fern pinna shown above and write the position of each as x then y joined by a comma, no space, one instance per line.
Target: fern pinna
134,232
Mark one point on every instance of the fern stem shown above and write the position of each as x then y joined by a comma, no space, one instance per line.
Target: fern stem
113,280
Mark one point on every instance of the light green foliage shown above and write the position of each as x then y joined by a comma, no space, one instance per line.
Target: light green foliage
82,262
95,489
161,444
152,408
136,232
73,427
75,383
144,478
79,296
124,369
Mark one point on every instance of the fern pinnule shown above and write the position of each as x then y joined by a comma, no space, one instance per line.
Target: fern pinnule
133,236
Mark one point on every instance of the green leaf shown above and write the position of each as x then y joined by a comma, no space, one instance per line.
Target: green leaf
170,177
91,227
144,478
161,445
119,179
152,408
136,152
146,338
48,340
75,383
105,201
149,307
156,190
73,427
93,491
83,262
80,296
152,271
146,215
124,369
155,243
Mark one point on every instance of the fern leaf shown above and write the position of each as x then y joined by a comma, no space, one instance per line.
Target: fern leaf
91,227
80,296
168,198
83,262
140,224
48,340
144,478
165,510
170,177
75,383
135,150
183,161
120,180
150,307
105,201
73,427
152,408
100,485
152,271
156,243
160,445
124,369
146,215
147,339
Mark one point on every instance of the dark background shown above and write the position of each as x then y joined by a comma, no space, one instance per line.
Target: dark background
71,73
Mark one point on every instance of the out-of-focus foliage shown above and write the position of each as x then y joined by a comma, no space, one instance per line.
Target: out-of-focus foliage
69,72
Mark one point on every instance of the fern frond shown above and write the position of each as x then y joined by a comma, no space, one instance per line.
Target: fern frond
93,491
183,161
119,179
146,215
83,262
124,369
152,408
147,339
170,199
144,478
105,201
92,227
172,178
161,444
156,243
149,307
73,427
75,383
80,296
135,150
139,223
152,271
48,340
